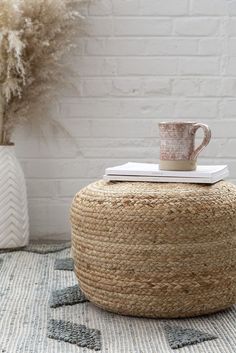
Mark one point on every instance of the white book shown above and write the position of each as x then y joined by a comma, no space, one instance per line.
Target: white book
208,174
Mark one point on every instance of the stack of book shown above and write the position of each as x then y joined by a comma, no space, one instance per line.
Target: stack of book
206,174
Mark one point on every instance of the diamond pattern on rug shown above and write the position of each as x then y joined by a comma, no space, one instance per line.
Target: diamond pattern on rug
67,296
73,333
179,337
66,264
1,262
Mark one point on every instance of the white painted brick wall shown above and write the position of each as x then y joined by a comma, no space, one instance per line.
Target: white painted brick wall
141,61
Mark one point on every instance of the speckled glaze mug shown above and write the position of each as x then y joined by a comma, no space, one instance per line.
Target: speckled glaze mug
177,144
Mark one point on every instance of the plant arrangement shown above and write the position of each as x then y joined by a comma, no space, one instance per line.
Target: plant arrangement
34,36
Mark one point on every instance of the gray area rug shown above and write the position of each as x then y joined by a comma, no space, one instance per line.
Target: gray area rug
72,333
179,337
66,264
27,281
67,296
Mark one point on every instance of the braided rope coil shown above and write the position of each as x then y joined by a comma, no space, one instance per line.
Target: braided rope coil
156,249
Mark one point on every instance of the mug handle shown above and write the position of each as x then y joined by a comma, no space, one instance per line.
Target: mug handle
206,139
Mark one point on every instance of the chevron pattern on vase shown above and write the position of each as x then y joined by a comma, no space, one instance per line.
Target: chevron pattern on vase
14,221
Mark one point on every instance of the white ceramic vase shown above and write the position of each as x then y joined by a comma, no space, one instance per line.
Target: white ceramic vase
14,221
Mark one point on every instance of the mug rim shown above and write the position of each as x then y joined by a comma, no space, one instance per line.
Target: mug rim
177,122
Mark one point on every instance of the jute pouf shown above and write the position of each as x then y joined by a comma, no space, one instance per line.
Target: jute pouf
156,250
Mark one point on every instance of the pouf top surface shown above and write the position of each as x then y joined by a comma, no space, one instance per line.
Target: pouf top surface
137,189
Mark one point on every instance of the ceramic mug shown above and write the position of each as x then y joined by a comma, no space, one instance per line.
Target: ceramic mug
177,144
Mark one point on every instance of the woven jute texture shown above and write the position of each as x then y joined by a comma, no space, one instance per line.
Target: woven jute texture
156,250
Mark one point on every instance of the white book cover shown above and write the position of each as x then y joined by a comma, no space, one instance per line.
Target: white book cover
167,179
149,169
